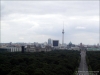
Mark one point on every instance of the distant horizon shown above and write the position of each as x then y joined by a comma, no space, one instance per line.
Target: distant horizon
47,43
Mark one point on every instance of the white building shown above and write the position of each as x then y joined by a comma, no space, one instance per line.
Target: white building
31,49
74,48
14,49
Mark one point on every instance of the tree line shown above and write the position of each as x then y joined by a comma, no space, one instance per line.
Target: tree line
58,62
93,60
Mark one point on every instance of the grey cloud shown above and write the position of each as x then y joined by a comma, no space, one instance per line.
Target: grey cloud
51,7
31,19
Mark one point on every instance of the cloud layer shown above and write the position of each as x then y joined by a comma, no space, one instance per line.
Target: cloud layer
36,21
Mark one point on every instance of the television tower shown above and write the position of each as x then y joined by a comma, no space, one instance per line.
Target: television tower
63,34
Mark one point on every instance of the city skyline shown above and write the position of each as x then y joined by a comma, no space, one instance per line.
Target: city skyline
37,21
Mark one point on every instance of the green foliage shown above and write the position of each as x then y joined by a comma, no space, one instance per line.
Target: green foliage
93,60
58,62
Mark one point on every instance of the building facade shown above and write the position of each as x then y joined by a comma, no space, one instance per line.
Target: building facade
49,42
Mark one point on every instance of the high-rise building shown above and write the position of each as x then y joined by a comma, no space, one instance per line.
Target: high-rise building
49,42
55,43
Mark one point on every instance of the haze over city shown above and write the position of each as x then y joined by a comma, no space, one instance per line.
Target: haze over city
36,21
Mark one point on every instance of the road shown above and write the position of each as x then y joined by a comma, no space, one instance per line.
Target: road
83,68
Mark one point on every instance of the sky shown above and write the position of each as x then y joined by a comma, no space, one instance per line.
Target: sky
37,21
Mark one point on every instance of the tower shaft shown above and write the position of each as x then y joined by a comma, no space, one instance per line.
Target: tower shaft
63,35
62,38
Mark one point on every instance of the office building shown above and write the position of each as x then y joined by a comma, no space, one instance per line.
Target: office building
49,42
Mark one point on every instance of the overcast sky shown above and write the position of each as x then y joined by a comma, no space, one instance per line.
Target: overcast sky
36,21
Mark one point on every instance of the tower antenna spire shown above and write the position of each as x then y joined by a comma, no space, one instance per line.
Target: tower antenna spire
63,34
63,24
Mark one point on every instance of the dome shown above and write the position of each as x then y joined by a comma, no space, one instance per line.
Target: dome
70,43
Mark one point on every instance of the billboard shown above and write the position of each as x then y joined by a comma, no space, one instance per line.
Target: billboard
55,42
